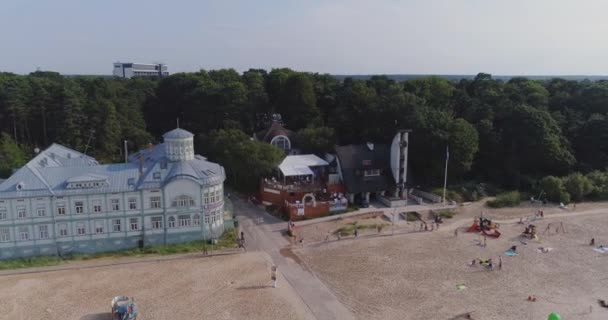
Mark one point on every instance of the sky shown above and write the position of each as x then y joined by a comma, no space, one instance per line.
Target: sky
515,37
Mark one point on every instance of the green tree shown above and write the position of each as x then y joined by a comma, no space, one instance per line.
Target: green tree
554,189
578,186
297,103
599,182
316,140
11,156
464,144
244,160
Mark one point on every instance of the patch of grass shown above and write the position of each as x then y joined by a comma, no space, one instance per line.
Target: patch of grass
410,217
225,241
349,229
29,262
447,214
506,199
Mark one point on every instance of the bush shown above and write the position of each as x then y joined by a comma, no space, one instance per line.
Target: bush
449,194
599,185
578,186
447,214
506,199
554,189
410,217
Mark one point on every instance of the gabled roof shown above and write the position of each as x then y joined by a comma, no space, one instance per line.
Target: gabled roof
57,155
353,156
355,159
53,177
178,134
275,129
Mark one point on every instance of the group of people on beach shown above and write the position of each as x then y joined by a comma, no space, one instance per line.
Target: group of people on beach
489,263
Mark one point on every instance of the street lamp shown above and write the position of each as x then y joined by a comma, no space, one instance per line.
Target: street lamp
445,178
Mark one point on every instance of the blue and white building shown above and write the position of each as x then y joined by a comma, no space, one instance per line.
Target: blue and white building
63,201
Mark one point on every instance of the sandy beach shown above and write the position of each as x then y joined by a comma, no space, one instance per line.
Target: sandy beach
221,287
414,275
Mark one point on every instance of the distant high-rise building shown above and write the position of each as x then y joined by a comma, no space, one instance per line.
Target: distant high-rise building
129,70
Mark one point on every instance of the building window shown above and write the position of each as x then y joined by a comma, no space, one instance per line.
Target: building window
2,213
21,213
81,229
43,232
207,214
157,222
218,194
132,203
183,201
116,225
115,204
184,220
63,230
24,233
281,142
41,211
61,209
5,234
154,202
206,196
134,224
156,175
98,227
196,220
171,222
371,173
96,206
79,205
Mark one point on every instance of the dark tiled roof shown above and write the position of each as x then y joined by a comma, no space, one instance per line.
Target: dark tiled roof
354,159
275,129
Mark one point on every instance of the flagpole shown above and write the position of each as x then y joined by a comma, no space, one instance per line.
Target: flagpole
445,179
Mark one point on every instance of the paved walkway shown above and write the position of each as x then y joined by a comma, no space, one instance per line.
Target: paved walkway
383,210
264,232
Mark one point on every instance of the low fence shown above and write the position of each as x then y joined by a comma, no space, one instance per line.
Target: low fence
392,203
298,211
426,195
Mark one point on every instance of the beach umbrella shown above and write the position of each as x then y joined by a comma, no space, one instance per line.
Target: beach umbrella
554,316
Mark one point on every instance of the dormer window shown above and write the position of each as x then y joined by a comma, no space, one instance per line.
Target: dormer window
156,175
371,173
131,181
20,186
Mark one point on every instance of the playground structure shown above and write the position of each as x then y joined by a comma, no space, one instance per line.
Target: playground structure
123,308
485,227
558,226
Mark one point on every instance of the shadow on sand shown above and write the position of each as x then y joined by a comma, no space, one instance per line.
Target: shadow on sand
251,288
97,316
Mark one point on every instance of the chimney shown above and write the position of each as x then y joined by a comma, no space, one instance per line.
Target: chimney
141,165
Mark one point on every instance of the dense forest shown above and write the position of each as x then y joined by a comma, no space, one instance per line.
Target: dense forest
510,133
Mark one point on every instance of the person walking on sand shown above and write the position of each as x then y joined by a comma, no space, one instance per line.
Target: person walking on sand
456,232
484,241
356,232
499,262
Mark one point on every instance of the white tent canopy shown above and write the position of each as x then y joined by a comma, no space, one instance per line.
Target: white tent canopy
299,165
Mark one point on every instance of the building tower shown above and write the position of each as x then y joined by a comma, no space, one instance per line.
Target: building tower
179,145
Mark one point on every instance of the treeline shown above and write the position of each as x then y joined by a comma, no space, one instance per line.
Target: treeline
510,133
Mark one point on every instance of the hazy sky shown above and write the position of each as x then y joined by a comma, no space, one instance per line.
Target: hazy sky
552,37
